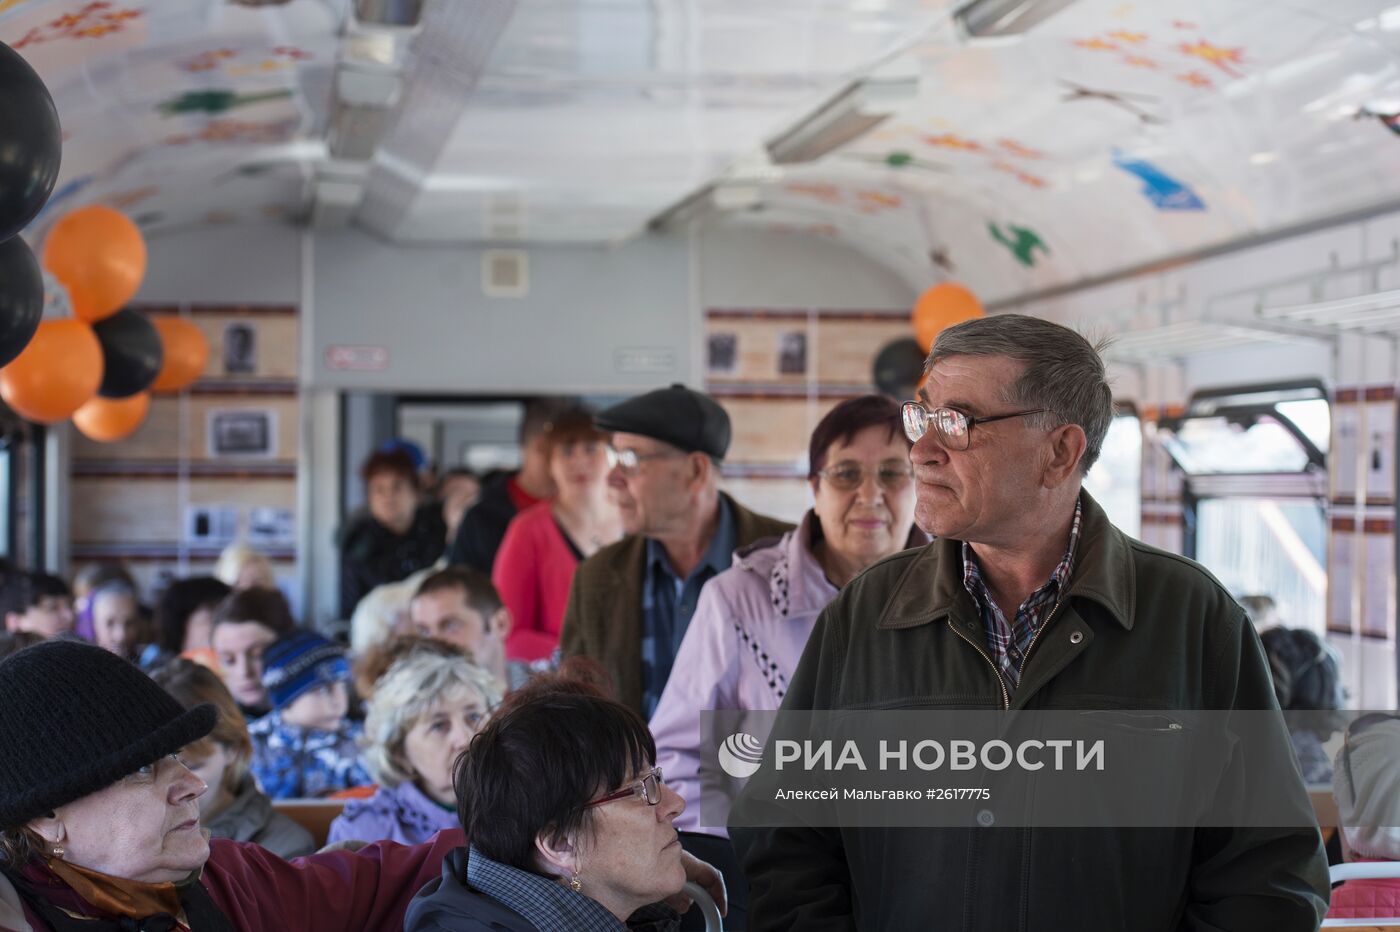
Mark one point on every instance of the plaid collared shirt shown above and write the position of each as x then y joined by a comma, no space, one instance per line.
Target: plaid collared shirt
546,904
1008,642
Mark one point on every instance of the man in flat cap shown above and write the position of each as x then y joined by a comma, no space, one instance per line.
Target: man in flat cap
631,601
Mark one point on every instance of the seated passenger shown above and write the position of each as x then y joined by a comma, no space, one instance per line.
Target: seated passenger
1307,678
184,621
233,806
369,668
245,624
421,718
99,820
306,745
240,566
88,580
1366,782
753,620
457,490
12,642
569,821
36,602
383,612
117,624
398,536
460,606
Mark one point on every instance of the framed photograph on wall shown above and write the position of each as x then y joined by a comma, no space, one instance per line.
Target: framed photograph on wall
792,353
242,432
723,353
240,348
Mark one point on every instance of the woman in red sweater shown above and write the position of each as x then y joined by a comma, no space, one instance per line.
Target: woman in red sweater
544,543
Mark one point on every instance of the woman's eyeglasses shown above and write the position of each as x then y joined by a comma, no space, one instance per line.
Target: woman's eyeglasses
648,788
849,475
954,429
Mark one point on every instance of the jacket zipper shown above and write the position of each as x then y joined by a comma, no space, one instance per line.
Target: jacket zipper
1036,637
1005,695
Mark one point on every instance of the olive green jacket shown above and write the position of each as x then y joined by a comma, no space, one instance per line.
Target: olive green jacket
1138,628
604,618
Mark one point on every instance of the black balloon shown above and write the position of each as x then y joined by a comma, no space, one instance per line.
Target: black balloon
21,297
30,143
131,353
898,368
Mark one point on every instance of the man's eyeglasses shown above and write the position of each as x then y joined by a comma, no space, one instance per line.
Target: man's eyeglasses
629,460
648,788
849,475
954,429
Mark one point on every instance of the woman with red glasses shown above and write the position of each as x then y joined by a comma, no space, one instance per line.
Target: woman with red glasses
570,822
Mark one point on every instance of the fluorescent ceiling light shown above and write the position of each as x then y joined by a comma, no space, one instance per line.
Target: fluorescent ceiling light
852,113
982,18
712,197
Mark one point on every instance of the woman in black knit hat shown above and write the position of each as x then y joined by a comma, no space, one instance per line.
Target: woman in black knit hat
99,819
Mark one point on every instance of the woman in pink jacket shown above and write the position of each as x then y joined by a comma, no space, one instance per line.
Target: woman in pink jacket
753,620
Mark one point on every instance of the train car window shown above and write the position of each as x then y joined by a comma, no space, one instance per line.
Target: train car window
1258,429
1313,417
1115,480
1254,460
1254,444
1268,546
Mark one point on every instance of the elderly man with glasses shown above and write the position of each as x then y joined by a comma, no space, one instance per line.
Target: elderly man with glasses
1028,599
631,601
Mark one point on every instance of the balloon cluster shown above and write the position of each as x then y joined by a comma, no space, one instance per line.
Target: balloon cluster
30,144
899,366
99,365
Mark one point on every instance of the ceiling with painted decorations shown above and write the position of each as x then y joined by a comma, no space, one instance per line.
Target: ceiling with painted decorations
1109,136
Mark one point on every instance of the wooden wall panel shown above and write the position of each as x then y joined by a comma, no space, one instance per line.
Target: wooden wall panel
758,346
770,430
120,509
129,499
846,349
787,499
160,437
276,341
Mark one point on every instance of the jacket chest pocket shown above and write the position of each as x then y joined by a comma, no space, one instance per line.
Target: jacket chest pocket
922,667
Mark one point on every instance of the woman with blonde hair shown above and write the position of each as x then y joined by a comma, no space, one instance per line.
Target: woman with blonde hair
422,715
233,807
242,567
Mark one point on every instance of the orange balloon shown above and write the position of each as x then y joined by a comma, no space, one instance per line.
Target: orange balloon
58,372
99,256
108,419
186,352
942,306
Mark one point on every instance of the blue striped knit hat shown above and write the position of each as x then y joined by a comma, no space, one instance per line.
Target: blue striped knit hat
300,661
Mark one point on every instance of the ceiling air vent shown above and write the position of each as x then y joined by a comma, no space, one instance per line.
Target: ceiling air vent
505,273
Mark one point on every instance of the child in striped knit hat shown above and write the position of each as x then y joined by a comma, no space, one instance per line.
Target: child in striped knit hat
306,746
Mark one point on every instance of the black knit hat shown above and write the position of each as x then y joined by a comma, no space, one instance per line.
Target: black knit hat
680,416
74,719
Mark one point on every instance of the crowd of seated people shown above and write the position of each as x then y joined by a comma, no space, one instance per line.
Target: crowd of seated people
443,718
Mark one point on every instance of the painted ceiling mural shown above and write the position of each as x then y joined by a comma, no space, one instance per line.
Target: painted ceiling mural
1112,135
